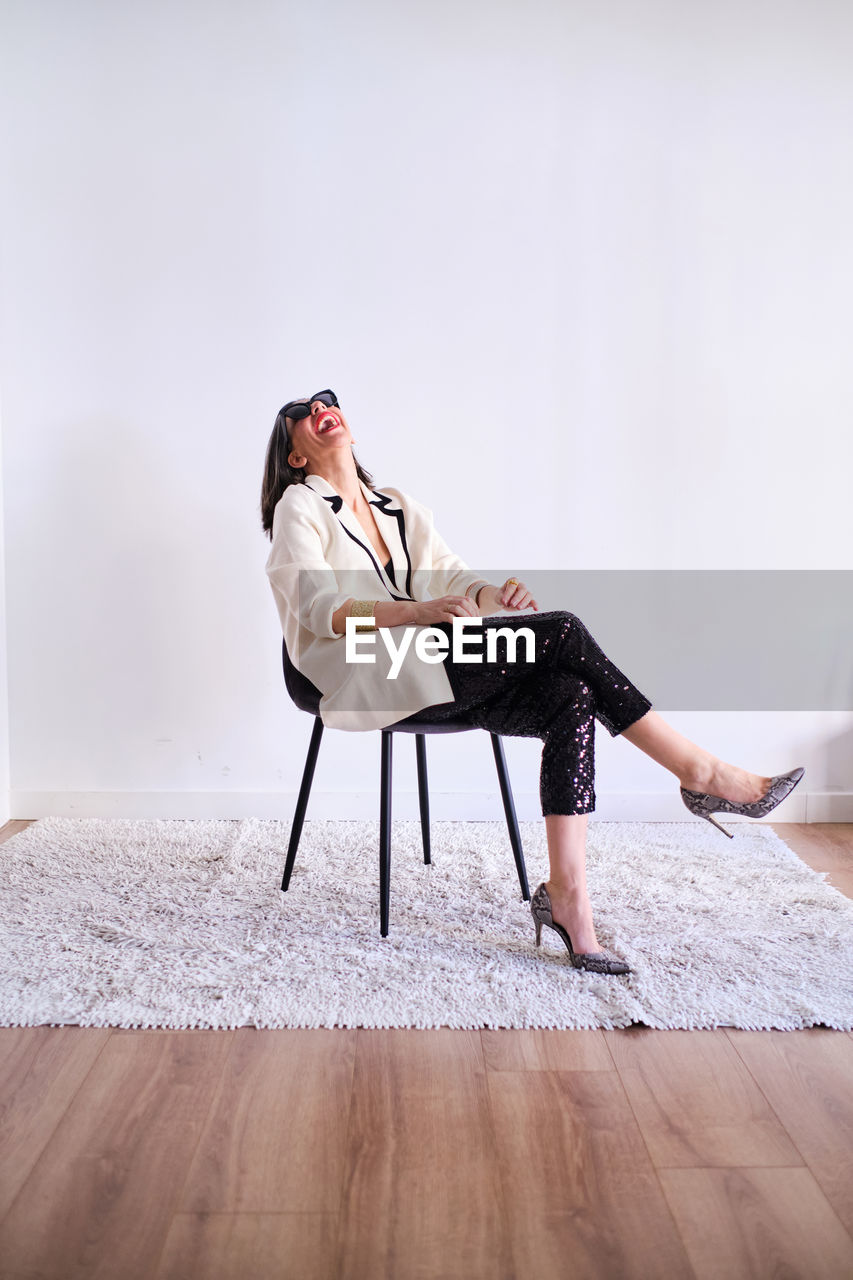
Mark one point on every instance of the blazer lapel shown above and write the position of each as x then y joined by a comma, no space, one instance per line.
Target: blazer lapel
391,524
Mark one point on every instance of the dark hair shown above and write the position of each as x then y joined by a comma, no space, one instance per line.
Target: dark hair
279,474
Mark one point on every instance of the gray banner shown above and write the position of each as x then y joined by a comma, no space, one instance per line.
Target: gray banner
716,640
691,640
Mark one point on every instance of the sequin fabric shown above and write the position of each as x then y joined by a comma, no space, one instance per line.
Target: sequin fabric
557,697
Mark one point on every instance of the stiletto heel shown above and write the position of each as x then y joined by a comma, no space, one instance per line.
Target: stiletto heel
595,961
719,826
703,805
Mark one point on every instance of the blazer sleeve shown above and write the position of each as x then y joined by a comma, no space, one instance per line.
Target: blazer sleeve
303,581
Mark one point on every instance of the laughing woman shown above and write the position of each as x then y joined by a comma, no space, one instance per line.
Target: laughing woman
342,547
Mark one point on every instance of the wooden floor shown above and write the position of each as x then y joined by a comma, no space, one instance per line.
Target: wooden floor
433,1154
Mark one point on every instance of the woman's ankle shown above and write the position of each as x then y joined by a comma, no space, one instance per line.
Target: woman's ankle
566,888
701,775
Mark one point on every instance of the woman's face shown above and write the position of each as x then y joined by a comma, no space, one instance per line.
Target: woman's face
322,433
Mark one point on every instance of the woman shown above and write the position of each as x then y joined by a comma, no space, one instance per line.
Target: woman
342,548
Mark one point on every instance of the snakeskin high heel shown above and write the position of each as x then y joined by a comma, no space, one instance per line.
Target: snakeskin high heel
703,805
595,961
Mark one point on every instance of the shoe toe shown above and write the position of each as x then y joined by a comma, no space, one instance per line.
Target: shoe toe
600,962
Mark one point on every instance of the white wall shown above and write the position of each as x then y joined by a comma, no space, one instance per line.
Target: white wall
5,808
601,249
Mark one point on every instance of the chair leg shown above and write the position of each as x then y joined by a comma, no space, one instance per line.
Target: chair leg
511,820
302,801
385,833
423,792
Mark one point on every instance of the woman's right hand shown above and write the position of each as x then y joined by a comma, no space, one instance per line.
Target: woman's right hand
444,609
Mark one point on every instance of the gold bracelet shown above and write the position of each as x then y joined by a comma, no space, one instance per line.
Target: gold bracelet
364,609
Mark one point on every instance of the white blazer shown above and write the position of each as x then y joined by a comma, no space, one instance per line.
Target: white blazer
320,556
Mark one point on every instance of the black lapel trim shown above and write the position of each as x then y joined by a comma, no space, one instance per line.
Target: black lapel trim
337,502
382,500
373,559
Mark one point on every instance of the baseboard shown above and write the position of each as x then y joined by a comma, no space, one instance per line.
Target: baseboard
471,806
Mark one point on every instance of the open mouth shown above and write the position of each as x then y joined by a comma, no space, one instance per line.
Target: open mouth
327,422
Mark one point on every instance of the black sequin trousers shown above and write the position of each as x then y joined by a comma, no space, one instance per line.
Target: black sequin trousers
557,697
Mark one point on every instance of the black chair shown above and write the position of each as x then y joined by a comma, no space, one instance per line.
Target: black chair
307,697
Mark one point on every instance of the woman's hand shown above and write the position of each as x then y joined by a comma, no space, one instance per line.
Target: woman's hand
512,595
444,609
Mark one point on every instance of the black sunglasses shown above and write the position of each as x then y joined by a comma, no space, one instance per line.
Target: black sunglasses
297,409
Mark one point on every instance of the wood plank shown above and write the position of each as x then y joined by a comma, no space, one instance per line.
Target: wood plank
99,1200
13,826
41,1069
825,846
422,1195
249,1246
807,1076
757,1223
276,1139
545,1049
842,881
695,1101
582,1197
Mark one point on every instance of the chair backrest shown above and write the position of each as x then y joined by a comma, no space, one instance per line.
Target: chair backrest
305,694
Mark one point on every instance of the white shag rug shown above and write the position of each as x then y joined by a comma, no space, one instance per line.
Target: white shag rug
174,923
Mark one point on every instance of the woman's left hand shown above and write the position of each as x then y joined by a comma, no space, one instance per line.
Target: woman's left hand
512,595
